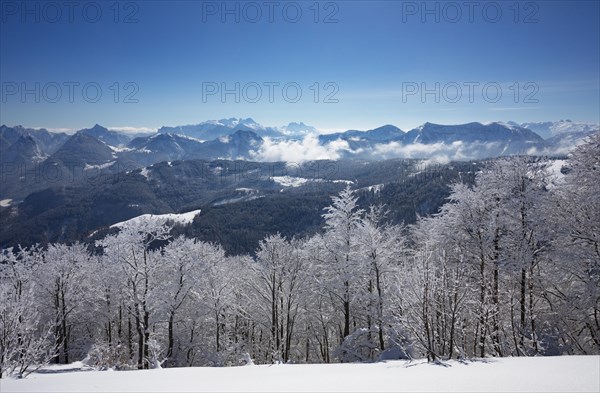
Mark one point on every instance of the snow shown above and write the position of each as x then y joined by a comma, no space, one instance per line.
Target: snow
556,175
246,190
183,218
534,374
189,138
100,166
120,149
238,199
145,172
348,182
376,189
289,181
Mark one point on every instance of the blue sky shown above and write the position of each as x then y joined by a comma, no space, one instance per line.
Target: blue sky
371,63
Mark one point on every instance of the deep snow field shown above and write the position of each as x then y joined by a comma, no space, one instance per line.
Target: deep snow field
540,374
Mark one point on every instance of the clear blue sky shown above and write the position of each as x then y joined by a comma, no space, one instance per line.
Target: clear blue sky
370,53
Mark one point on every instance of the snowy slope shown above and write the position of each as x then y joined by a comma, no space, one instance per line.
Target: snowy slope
540,374
183,218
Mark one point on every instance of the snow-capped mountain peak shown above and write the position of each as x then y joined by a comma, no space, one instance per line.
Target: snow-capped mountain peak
549,129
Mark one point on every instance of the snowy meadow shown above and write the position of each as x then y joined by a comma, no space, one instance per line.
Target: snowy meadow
540,374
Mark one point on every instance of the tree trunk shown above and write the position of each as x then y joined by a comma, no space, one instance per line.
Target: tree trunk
482,318
64,328
346,310
523,311
171,338
379,309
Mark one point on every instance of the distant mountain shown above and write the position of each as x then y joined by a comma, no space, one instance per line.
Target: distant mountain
385,133
82,149
238,146
24,151
9,135
48,142
213,129
94,151
549,129
471,132
463,141
111,138
171,147
297,130
563,143
161,147
380,134
69,165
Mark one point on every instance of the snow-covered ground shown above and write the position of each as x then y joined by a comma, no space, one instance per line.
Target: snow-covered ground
183,218
540,374
291,181
554,168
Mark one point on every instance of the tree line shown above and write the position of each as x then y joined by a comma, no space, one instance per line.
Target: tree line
509,266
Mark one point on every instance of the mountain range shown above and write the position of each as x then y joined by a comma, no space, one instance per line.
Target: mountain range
213,129
246,179
34,159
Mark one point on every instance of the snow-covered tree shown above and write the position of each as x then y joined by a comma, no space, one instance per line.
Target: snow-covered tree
25,340
382,251
341,265
63,284
280,286
574,217
131,252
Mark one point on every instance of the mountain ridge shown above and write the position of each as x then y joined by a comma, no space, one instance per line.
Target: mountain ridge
98,150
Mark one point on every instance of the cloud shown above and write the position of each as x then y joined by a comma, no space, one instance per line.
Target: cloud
440,152
131,129
65,130
306,149
419,150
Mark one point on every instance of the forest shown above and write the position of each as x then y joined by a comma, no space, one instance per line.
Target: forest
509,266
